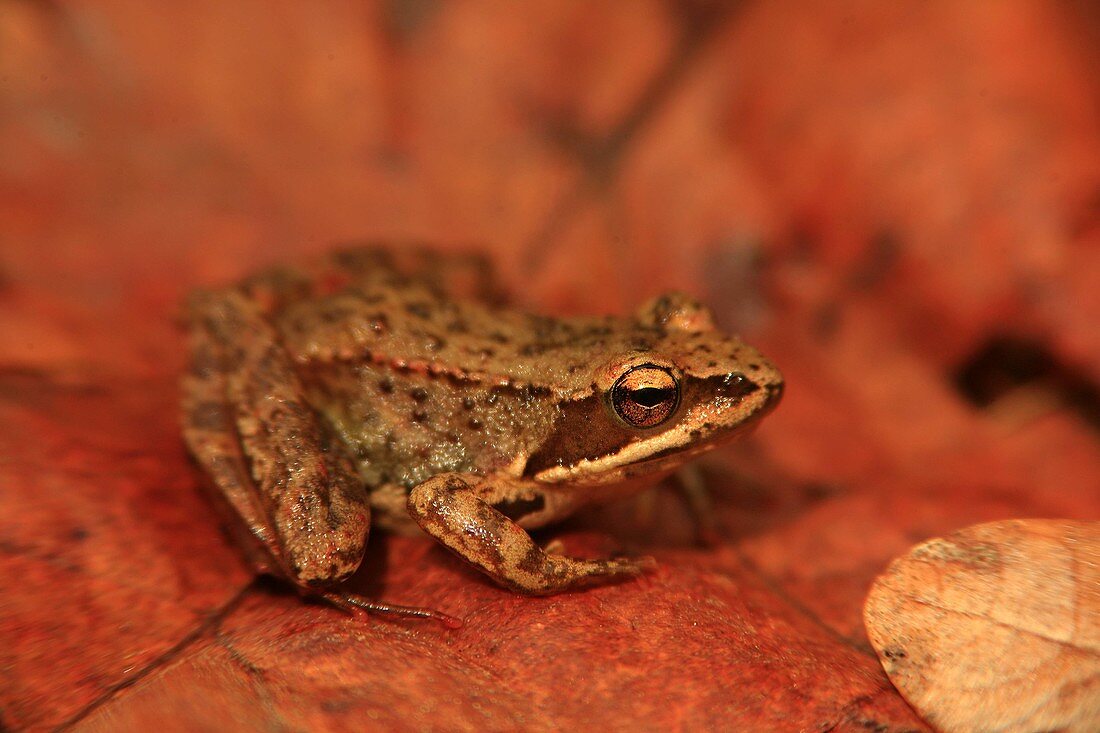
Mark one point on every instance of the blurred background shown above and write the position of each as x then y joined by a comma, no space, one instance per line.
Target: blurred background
897,202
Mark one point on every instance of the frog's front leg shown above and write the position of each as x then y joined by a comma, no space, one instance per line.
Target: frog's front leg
447,508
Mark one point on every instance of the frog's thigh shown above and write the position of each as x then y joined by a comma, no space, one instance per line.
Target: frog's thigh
448,509
246,420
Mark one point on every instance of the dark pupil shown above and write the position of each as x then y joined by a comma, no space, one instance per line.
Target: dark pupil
651,396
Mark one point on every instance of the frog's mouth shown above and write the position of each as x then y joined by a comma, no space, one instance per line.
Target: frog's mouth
588,447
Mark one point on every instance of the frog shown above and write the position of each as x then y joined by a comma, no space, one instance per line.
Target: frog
397,387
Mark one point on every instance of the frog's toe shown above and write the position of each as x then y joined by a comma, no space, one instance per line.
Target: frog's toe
554,547
352,604
630,566
644,564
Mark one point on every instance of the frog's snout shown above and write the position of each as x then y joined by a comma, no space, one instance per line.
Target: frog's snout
774,392
769,394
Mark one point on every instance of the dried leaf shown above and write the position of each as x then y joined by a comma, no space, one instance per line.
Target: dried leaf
995,627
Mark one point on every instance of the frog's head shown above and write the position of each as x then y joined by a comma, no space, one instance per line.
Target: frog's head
677,388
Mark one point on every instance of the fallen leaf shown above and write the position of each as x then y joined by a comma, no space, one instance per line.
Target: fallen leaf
995,627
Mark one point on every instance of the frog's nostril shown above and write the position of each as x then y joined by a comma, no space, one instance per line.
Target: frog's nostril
775,393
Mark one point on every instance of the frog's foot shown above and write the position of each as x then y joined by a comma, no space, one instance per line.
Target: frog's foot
448,509
351,603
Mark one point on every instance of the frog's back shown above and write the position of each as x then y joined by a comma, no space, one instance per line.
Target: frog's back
409,324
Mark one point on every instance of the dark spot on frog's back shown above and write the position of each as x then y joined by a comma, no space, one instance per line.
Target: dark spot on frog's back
379,323
204,362
516,509
207,416
420,310
328,314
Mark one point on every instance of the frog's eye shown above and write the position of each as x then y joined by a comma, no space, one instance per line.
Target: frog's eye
645,396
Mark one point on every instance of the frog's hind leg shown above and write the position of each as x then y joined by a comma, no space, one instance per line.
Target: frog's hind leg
447,508
275,462
303,511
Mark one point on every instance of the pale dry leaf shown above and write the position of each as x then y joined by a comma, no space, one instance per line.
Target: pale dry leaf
995,627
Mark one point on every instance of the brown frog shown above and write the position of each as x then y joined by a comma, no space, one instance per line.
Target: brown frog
396,384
